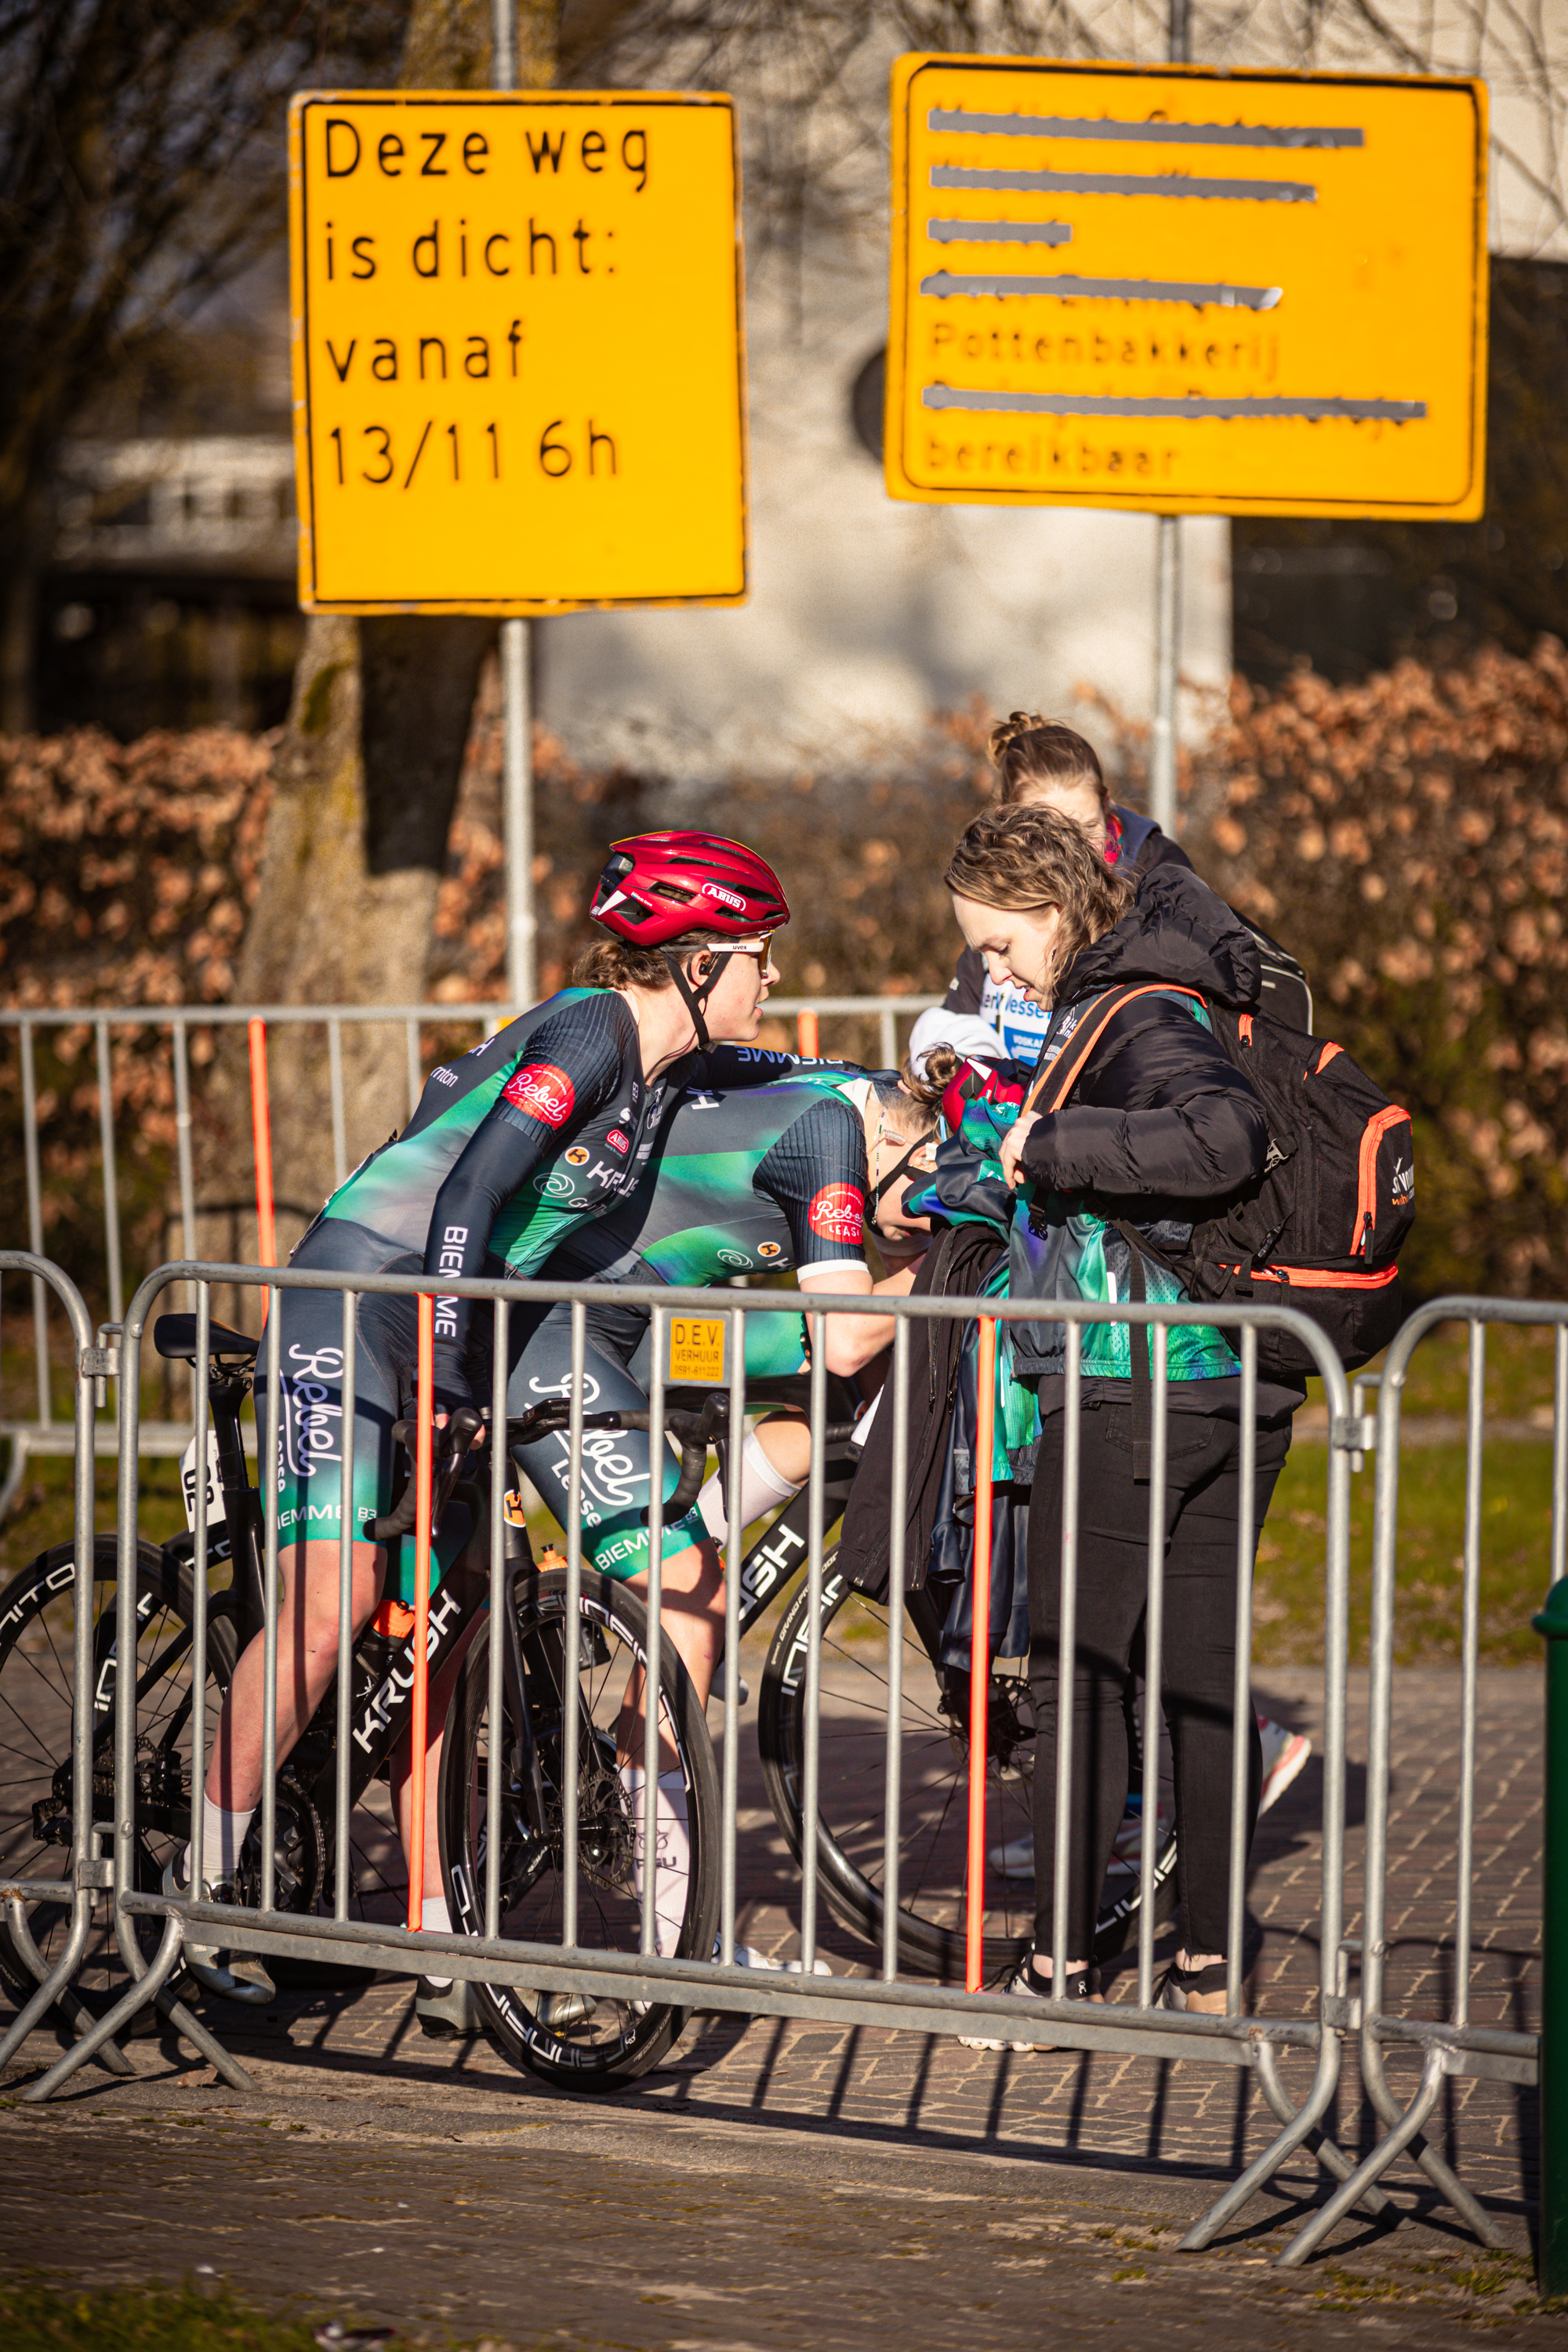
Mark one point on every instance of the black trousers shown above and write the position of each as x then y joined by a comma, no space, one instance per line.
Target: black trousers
1197,1663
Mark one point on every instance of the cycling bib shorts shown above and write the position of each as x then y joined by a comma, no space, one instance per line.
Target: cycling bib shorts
311,1445
617,1464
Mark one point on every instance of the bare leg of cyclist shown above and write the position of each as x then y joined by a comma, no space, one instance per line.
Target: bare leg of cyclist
307,1662
692,1615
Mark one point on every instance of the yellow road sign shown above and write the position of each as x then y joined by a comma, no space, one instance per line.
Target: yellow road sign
519,357
1186,291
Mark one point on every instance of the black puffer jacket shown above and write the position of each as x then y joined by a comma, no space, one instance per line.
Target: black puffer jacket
1160,1126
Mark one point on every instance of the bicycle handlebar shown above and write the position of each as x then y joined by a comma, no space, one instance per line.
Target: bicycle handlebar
693,1431
460,1433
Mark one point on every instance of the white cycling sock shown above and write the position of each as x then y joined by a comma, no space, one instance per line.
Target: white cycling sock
673,1864
223,1835
761,1487
434,1915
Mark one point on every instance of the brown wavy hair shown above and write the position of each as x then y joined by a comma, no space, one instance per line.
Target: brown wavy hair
1030,755
1029,859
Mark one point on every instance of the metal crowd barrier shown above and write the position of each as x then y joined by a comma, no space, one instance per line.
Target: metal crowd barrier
1237,2040
41,1433
1448,2045
92,1876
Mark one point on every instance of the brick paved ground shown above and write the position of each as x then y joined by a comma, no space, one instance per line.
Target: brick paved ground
1182,2123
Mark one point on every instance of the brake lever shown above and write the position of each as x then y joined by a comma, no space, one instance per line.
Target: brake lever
460,1433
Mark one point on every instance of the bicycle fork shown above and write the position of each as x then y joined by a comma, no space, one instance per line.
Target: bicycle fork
523,1759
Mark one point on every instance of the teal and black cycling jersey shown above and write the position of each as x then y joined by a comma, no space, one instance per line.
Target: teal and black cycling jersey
542,1125
758,1178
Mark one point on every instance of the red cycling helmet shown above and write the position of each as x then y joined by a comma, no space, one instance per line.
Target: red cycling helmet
658,886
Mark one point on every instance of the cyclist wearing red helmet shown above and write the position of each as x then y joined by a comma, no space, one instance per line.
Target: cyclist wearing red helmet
544,1125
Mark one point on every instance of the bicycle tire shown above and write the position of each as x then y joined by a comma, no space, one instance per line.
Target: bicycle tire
36,1764
934,1796
614,2042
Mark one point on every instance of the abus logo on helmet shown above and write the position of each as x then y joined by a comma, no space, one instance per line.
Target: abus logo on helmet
838,1212
725,897
543,1091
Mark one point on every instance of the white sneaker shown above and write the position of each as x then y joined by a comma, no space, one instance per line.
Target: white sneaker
1284,1753
1013,1859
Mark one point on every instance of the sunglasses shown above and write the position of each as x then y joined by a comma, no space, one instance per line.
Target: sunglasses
762,948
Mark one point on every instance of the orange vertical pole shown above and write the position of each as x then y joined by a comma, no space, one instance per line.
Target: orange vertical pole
806,1030
261,1129
980,1656
418,1729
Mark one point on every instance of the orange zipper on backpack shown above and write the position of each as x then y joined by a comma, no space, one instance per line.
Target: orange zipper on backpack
1316,1278
1366,1186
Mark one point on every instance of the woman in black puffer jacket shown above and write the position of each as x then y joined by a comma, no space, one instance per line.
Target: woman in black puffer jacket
1160,1128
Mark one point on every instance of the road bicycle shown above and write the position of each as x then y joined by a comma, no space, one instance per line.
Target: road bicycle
574,2043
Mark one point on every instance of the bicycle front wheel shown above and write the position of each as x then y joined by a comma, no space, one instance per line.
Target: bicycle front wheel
574,2043
37,1775
933,1876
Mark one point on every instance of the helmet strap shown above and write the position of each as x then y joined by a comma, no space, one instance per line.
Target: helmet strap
696,1000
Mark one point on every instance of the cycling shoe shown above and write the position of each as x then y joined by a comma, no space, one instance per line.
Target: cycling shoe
233,1976
448,2012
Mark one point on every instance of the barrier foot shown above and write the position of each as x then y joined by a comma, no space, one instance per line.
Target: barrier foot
145,1990
202,2039
1398,2139
54,1988
1302,2125
1329,2152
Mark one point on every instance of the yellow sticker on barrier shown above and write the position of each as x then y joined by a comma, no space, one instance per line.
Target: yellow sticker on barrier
699,1355
1182,291
519,356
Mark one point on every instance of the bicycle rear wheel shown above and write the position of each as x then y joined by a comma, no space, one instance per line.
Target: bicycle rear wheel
934,1791
598,2044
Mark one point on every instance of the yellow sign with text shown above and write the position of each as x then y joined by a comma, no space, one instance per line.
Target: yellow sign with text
698,1353
1185,291
519,351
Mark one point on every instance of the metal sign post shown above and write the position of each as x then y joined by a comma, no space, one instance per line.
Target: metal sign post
1163,740
1178,291
516,647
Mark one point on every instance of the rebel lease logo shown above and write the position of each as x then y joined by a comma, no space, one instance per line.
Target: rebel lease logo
542,1091
578,1156
769,1249
838,1212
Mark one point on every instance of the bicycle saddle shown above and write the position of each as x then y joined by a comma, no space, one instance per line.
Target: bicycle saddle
175,1336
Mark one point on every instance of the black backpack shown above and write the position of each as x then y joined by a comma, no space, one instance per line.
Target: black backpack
1322,1227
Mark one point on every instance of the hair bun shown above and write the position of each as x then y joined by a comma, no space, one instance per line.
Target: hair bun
1007,731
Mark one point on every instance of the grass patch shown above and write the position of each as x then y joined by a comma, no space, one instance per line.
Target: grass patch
1519,1373
35,2318
1516,1519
